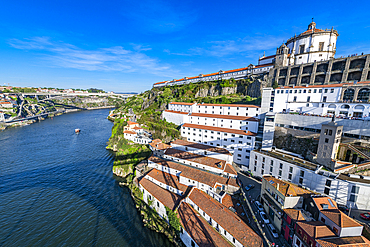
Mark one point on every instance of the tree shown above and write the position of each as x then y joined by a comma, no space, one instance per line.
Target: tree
275,85
173,220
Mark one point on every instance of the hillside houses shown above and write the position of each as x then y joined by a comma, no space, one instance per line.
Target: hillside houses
197,181
133,132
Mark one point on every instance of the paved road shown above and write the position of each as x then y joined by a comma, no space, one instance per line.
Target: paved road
253,195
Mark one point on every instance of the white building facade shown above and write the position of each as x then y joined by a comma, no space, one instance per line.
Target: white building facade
341,188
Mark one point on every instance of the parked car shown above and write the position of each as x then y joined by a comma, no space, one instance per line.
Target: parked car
258,205
274,233
249,187
264,217
365,216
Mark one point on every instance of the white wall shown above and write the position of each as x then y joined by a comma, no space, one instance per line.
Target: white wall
156,205
172,117
339,190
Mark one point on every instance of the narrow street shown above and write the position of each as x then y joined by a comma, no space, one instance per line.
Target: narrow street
254,195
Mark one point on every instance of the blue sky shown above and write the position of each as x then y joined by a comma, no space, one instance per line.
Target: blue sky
127,46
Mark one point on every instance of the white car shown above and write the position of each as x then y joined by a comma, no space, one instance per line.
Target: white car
264,217
258,205
273,231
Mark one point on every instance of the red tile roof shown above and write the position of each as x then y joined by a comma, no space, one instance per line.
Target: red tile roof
160,82
159,145
181,103
319,201
263,58
204,160
199,229
230,169
358,241
129,132
312,31
131,123
316,229
196,174
294,214
340,218
166,178
167,198
286,188
232,131
226,219
201,146
137,128
177,112
230,105
243,118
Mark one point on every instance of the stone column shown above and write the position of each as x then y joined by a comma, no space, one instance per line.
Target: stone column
313,73
357,89
345,72
299,77
366,69
287,78
328,72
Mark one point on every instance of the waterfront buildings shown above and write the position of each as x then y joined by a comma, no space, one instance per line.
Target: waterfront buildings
133,132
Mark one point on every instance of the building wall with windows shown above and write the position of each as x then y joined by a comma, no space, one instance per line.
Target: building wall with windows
228,109
238,144
341,231
344,190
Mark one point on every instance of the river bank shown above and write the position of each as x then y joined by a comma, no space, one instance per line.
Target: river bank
127,157
4,125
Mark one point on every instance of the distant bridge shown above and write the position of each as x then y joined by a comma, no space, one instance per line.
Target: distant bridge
120,95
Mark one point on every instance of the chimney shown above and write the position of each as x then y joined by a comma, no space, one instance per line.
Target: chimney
277,186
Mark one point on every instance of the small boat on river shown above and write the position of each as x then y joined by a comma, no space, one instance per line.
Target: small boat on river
77,130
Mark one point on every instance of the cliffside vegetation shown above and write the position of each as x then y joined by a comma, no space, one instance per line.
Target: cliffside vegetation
146,108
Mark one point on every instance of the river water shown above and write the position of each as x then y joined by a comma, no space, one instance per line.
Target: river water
57,187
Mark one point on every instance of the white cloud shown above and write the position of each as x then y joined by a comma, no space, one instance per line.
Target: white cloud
248,46
115,58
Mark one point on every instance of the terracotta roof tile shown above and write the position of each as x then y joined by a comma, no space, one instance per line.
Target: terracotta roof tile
131,123
137,128
177,112
204,160
167,198
227,130
286,188
226,219
230,169
181,103
159,145
201,146
198,229
294,214
230,105
243,118
129,132
167,178
320,201
196,174
316,229
358,241
340,218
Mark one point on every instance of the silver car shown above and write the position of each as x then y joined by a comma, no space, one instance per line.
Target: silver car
264,217
274,233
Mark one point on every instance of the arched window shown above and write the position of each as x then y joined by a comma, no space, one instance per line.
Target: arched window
359,107
363,95
332,106
348,94
344,107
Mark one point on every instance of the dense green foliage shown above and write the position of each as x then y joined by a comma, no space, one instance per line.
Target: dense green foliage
173,220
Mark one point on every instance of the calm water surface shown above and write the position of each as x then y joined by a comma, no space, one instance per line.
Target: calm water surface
57,187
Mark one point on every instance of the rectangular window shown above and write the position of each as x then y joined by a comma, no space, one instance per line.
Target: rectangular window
355,189
295,99
321,46
272,162
301,174
280,172
328,182
353,198
281,166
300,181
290,176
290,169
308,98
301,49
332,90
326,140
326,191
320,90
